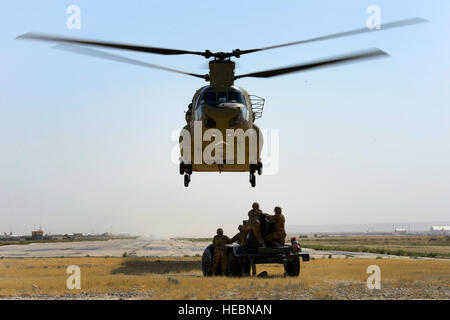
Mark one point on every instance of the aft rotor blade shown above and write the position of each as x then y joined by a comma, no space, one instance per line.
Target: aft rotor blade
122,46
110,56
331,61
386,26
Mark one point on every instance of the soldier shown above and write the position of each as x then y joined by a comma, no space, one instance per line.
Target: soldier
253,223
219,242
278,236
295,246
255,212
240,236
253,269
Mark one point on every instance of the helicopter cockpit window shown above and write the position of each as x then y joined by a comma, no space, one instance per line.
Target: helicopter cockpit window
210,97
236,97
221,97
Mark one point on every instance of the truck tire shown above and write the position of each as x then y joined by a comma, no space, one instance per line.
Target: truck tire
207,260
292,267
233,265
246,266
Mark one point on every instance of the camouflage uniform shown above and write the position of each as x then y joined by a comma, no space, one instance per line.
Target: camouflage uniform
220,257
254,225
279,235
239,237
253,269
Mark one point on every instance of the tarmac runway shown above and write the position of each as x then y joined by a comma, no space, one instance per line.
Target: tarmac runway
142,247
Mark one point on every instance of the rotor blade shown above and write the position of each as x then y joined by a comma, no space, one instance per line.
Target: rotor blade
122,46
110,56
353,57
390,25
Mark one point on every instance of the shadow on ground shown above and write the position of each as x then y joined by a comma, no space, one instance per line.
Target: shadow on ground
137,266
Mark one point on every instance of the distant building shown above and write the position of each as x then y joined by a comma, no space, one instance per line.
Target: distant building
440,229
400,230
37,235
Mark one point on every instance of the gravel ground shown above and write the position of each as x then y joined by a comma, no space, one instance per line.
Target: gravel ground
351,293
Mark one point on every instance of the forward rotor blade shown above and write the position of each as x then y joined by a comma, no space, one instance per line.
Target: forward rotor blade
386,26
110,56
122,46
353,57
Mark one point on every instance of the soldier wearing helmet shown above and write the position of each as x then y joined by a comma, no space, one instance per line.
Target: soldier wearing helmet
255,212
240,236
220,258
279,235
253,223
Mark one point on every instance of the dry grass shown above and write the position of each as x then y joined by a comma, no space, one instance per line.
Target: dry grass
180,278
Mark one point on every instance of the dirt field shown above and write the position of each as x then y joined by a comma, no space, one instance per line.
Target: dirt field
180,278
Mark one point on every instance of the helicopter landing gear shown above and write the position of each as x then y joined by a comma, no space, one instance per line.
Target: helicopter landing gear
255,168
185,168
252,180
181,168
187,179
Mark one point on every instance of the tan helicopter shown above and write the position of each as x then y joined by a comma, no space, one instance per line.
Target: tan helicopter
221,113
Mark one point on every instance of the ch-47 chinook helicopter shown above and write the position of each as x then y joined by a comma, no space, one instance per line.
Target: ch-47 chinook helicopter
221,106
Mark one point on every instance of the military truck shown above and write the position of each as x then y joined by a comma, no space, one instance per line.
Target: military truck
240,257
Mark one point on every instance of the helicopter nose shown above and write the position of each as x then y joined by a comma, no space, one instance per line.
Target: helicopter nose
223,111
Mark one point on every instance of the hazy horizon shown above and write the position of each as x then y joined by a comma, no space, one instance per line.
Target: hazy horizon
416,226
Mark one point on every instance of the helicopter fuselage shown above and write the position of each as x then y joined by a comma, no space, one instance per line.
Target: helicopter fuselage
220,134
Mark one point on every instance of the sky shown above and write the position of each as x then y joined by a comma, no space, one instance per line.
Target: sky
85,144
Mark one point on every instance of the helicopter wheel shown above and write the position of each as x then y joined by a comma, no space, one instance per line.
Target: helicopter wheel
181,168
260,168
253,180
187,179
